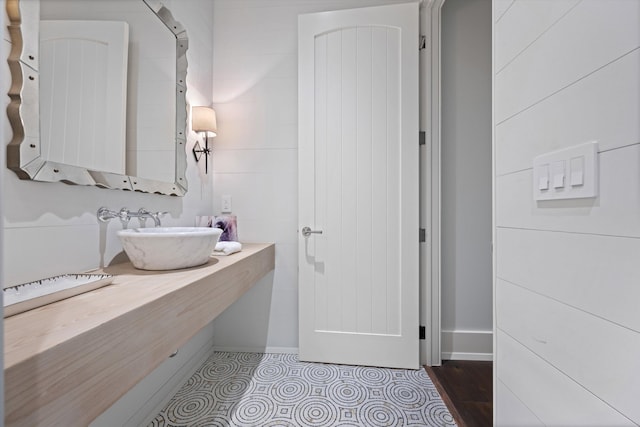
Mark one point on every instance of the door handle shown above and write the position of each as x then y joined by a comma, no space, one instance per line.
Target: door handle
306,231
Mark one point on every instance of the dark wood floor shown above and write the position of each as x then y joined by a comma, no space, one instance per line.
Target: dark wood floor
467,389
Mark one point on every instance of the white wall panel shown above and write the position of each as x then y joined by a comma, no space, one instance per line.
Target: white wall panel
550,395
582,44
245,123
230,161
616,210
243,69
605,284
263,320
270,174
604,106
270,190
564,337
524,24
52,249
512,412
500,7
280,232
567,271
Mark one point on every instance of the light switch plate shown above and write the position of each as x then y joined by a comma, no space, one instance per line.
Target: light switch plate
226,204
570,173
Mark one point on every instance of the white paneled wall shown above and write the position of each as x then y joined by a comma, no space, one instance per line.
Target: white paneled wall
582,35
568,334
255,154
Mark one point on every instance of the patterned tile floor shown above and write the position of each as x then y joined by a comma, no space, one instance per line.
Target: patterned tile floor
253,389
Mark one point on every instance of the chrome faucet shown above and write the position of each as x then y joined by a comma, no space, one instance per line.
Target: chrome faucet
105,214
125,215
143,214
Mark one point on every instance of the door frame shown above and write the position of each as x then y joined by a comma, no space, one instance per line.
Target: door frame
430,183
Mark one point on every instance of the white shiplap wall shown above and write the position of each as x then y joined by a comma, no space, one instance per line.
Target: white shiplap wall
568,332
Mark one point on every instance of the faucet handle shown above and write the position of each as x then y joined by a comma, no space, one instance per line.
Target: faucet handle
143,214
124,217
156,217
104,214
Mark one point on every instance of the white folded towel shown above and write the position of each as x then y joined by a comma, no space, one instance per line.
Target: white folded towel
227,248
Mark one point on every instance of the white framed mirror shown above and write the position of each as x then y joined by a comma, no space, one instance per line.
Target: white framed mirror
145,167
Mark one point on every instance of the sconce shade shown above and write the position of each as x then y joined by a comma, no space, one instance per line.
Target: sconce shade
203,119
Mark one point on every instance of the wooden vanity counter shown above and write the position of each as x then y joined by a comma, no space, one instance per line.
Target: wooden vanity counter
67,362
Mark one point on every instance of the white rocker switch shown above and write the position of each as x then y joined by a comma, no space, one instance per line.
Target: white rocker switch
558,174
543,178
577,171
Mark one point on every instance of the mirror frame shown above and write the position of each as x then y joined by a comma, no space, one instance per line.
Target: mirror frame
23,152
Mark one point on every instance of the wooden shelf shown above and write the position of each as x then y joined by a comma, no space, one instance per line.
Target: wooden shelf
67,362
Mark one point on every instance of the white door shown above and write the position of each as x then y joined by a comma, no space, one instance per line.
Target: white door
358,178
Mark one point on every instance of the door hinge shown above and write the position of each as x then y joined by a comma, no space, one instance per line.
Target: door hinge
422,43
423,333
422,137
423,235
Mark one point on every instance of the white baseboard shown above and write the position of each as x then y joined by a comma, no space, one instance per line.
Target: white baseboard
467,345
482,357
278,350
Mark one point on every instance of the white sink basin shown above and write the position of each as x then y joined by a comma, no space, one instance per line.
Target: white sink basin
169,248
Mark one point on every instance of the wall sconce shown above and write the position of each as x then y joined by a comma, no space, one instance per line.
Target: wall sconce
203,119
